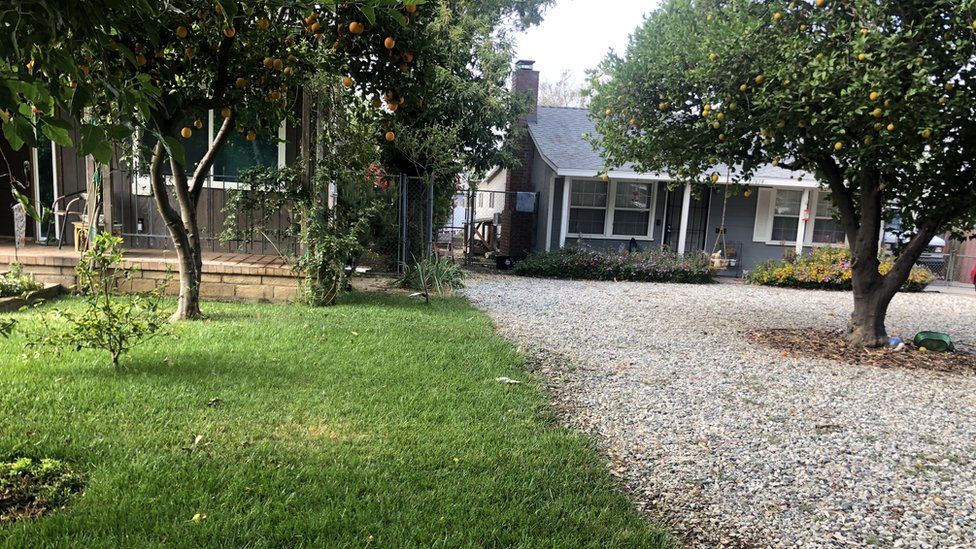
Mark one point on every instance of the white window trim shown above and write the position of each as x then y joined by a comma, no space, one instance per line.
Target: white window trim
141,185
807,231
609,209
772,216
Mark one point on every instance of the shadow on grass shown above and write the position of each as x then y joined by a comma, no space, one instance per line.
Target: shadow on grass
399,301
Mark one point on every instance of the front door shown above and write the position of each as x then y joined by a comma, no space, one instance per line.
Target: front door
697,220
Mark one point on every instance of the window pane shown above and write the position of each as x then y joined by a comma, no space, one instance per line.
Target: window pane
631,223
788,202
825,207
633,195
827,231
784,228
589,194
239,154
586,221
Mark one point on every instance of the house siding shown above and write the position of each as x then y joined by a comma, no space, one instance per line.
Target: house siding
130,205
541,176
739,225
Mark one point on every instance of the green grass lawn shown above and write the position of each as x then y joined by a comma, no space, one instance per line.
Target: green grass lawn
374,423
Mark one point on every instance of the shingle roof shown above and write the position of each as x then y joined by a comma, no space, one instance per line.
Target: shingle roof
558,135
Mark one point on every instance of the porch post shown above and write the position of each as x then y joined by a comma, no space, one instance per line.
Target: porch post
106,177
564,222
801,224
685,212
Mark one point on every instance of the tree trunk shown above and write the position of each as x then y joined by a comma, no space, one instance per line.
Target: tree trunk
188,307
871,300
189,261
872,291
182,225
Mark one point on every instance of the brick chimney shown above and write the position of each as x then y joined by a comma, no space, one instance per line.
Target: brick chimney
517,227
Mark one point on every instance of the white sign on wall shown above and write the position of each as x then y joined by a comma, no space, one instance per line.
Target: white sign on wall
20,226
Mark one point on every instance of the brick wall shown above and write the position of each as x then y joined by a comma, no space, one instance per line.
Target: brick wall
517,228
220,283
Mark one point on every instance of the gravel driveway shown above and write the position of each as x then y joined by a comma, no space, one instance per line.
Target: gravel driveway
734,444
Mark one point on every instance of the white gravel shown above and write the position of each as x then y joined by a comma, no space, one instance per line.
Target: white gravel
735,445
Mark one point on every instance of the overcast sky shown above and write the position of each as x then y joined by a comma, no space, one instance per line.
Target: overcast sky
577,34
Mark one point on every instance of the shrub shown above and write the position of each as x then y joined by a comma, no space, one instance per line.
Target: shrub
331,238
16,283
108,321
646,266
30,487
827,269
433,274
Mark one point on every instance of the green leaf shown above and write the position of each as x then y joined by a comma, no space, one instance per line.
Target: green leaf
117,132
59,135
10,133
175,149
103,152
369,12
25,202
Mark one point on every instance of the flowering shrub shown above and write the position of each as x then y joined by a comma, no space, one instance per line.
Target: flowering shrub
16,283
827,269
591,264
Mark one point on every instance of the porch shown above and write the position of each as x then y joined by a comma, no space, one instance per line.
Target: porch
227,276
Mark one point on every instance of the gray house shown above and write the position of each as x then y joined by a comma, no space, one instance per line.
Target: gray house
778,212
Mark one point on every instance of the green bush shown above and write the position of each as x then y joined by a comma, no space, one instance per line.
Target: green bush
108,321
591,264
827,269
433,274
16,283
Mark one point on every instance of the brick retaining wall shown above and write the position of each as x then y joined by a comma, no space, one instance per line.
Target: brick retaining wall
220,282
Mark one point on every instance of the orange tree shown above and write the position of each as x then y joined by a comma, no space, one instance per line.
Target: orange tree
875,98
244,61
455,114
43,83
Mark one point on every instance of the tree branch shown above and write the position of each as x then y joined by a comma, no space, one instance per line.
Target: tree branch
158,183
908,256
203,167
844,199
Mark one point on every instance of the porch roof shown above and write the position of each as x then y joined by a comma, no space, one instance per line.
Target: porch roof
558,135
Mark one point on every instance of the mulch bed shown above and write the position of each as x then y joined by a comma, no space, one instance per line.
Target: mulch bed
811,343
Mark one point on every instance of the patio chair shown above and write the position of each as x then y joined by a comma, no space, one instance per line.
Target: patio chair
65,207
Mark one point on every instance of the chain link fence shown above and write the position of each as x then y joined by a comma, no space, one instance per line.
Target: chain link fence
957,270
